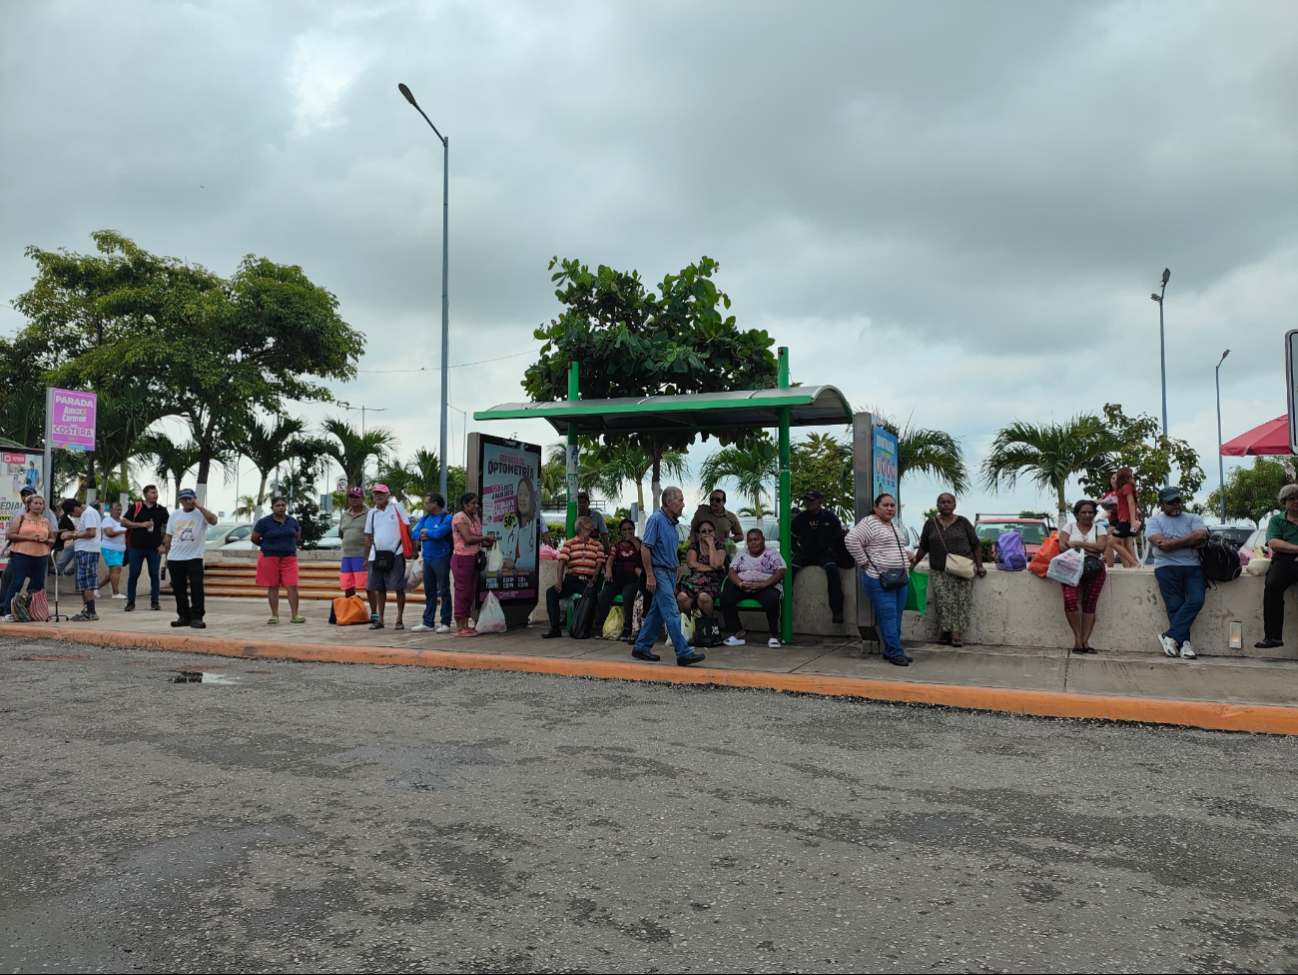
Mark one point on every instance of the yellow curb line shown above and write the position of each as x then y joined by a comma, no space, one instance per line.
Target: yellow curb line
1264,718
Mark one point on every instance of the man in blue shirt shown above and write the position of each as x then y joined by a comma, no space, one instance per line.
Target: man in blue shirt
434,531
661,557
1176,537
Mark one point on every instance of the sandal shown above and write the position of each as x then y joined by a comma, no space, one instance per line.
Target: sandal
956,643
1268,644
273,619
298,619
376,625
399,626
467,633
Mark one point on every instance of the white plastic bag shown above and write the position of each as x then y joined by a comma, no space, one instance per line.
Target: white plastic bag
415,573
495,559
687,627
1257,567
1066,567
492,617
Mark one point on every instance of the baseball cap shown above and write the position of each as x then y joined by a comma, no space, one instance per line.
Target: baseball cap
187,493
25,491
1169,494
379,489
813,495
355,492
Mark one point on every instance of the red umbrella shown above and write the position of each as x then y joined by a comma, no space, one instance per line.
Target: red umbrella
1271,437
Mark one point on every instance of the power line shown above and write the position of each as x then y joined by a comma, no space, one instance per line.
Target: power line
458,365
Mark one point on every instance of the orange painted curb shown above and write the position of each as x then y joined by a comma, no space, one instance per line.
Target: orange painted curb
1264,718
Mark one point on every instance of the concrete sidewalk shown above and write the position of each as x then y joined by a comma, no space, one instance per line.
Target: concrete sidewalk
1228,693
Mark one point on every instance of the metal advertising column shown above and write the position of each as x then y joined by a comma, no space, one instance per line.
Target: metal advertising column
505,474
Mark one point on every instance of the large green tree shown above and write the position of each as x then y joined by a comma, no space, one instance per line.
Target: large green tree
1252,491
1138,442
630,341
351,449
1048,454
207,350
823,463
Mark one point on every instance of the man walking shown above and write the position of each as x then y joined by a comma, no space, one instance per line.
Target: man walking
85,536
148,523
816,531
661,557
1175,536
579,563
384,553
184,544
434,533
725,522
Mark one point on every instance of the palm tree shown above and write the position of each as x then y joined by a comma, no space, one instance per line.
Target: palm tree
622,463
268,446
354,449
1049,454
246,507
932,452
751,466
171,461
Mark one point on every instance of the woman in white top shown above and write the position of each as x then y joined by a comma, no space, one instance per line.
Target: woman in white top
1084,535
876,545
113,549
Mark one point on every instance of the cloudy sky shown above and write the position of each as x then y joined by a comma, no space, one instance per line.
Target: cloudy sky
955,212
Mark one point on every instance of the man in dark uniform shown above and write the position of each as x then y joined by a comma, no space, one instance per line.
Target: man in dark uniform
816,534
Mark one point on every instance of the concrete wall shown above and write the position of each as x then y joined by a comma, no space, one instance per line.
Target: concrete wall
1018,609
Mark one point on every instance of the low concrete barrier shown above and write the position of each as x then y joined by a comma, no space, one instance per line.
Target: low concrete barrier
1018,609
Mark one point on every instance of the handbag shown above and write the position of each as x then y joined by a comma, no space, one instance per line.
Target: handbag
891,579
407,543
1091,567
350,610
960,566
385,561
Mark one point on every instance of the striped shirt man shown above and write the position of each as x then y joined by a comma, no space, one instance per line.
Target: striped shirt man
582,558
876,546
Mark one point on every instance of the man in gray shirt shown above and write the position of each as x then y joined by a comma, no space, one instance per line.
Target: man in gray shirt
1177,537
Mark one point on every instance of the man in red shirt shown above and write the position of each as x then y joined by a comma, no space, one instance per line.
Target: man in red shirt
580,560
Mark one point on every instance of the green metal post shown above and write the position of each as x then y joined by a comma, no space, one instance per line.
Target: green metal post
573,396
785,503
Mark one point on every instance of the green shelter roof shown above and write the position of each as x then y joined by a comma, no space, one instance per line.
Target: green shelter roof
809,406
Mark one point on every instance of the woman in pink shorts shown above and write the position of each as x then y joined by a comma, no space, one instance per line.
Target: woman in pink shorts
278,535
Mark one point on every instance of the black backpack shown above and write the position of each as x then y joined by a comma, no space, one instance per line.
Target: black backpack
1220,560
583,617
706,632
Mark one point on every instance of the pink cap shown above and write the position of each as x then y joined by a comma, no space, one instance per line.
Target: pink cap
379,489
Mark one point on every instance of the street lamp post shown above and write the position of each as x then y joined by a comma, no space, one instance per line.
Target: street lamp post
446,338
1162,351
1221,465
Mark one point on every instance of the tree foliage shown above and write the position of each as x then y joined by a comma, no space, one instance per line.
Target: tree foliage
753,466
824,463
354,449
1252,492
629,341
1048,454
1138,442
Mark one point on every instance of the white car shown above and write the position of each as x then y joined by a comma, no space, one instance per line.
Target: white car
225,533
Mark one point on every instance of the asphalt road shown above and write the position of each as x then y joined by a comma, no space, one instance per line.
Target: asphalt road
308,817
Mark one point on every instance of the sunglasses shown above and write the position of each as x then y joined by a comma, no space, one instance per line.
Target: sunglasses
717,500
707,531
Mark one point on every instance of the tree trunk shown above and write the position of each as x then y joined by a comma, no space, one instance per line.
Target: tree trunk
90,479
656,485
124,494
204,469
1063,507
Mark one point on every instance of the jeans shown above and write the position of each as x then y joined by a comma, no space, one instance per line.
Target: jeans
1183,588
25,567
137,557
832,581
65,558
572,586
187,584
437,584
887,613
1282,574
770,598
627,585
663,611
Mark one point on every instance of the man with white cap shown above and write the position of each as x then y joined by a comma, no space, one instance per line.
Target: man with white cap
186,538
384,552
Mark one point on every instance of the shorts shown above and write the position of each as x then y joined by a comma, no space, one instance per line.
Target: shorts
112,558
394,580
87,564
276,570
352,575
1122,529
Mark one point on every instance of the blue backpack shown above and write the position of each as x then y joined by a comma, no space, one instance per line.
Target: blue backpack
1011,555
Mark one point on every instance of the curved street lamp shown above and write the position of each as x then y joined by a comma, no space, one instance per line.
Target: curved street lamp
446,339
1221,465
1162,356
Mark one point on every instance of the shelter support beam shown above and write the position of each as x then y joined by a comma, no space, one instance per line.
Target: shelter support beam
785,503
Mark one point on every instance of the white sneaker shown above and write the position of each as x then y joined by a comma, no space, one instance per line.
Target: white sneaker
443,629
1169,645
731,641
420,628
773,642
120,595
1187,651
8,619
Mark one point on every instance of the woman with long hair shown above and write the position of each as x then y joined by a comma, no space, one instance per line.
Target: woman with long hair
1126,525
876,546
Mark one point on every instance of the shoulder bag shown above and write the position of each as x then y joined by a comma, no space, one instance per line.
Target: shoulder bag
891,579
960,566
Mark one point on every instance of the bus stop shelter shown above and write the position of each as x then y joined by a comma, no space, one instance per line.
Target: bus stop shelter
731,412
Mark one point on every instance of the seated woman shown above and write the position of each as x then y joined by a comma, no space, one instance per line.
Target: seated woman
705,571
623,574
1083,534
756,573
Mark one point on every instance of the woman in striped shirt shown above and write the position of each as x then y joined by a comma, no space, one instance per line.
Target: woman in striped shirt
876,545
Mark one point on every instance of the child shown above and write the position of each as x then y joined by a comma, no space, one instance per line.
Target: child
1126,525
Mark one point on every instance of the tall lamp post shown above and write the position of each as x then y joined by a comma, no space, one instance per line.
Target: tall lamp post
1221,465
446,335
1162,354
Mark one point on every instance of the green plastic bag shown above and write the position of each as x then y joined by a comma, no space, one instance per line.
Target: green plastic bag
917,598
613,625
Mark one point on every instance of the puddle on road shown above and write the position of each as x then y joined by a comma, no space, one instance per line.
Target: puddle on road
203,677
67,658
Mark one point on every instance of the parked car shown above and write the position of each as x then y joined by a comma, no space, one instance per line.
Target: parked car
226,533
1034,530
1234,534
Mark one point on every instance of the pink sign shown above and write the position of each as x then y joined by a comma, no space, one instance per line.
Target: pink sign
72,419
